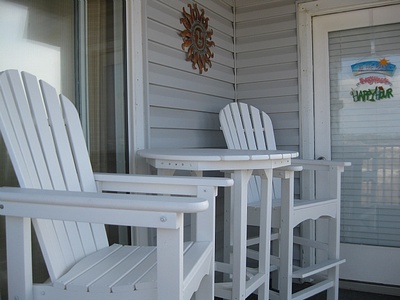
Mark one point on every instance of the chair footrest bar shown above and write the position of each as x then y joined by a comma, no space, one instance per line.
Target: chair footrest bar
224,289
317,268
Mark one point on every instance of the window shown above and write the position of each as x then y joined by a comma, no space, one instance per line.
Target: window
79,48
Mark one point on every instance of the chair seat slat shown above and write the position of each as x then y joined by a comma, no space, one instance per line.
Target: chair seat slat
129,261
143,276
105,267
84,264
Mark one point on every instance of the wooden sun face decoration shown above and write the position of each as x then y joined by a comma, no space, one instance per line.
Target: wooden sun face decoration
197,38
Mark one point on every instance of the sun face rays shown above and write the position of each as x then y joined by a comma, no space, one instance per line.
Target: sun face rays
197,38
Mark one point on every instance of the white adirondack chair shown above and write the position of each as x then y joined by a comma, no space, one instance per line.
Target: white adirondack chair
245,127
61,195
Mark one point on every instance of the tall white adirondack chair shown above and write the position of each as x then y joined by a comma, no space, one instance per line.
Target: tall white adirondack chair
61,195
245,127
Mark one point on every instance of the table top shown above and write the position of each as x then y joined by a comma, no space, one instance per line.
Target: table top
216,159
212,154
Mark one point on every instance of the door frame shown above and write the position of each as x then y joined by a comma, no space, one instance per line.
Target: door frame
308,107
137,83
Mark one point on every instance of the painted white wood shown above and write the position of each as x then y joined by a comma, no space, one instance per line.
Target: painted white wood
19,277
79,261
57,140
288,214
137,84
25,160
241,164
43,130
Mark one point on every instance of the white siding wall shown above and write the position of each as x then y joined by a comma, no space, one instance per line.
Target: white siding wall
267,64
184,105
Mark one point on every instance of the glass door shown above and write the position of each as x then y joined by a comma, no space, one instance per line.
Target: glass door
357,119
79,48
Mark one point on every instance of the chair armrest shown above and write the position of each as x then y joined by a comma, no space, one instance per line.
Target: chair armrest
102,208
179,185
309,164
292,168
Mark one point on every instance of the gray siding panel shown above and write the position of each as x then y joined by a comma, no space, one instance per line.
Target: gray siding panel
183,119
184,104
178,138
188,100
267,74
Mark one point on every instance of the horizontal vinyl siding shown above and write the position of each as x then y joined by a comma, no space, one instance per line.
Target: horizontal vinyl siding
267,75
184,104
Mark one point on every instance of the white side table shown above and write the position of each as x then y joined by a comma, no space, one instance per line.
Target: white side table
241,164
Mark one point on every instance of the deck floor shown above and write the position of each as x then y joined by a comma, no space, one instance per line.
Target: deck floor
347,295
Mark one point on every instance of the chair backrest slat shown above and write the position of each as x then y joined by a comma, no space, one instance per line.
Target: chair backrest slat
259,130
59,136
45,154
239,126
18,144
269,132
245,127
248,126
78,146
229,128
34,96
84,173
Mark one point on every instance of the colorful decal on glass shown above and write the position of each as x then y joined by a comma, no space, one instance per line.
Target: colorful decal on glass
373,82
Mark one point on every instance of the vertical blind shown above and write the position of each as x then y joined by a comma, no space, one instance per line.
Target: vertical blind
367,133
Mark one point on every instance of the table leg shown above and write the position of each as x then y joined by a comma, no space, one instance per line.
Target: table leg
239,236
265,231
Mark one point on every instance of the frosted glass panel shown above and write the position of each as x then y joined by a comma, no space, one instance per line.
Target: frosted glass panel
365,129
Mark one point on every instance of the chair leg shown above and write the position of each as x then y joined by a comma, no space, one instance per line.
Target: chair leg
333,292
170,259
19,258
206,288
334,252
265,232
286,239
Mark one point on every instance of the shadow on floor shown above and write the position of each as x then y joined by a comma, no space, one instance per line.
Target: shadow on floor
344,294
347,295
